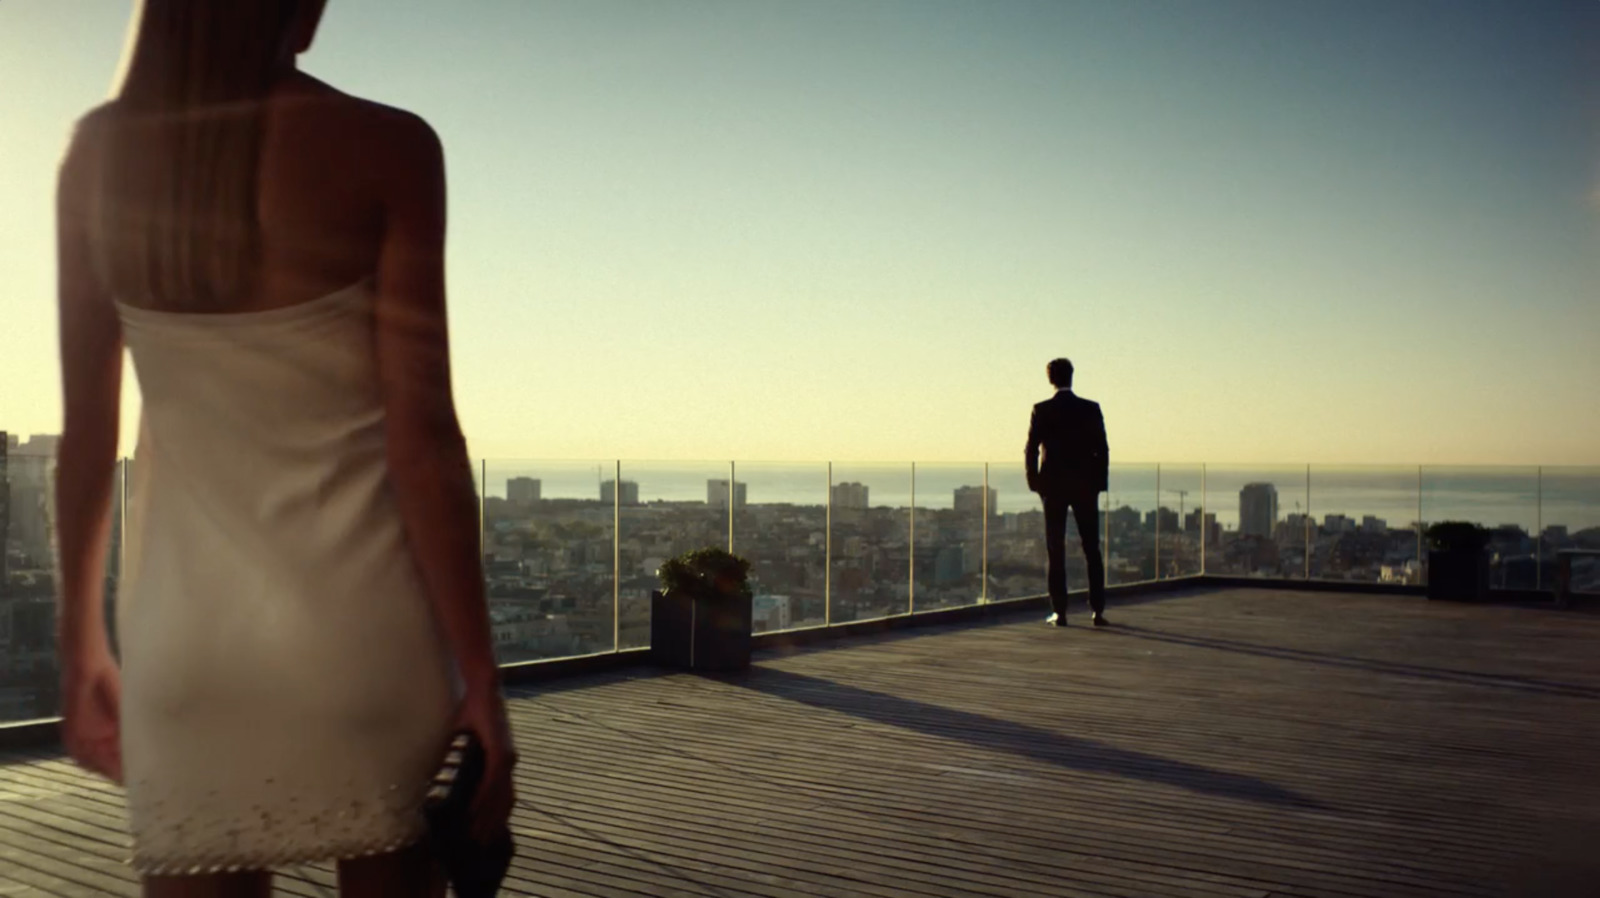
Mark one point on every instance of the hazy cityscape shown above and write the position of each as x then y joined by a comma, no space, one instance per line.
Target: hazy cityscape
565,543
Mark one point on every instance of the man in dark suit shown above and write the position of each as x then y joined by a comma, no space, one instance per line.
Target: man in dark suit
1074,470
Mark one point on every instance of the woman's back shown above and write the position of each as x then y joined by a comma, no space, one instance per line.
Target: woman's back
323,176
270,610
302,601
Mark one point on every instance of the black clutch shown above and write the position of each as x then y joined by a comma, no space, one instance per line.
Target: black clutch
475,868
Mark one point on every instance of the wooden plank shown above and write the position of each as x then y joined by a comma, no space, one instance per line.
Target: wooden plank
1225,744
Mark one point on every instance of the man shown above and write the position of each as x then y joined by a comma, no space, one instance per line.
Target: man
1075,468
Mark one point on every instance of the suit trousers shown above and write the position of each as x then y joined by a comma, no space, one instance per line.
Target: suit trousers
1085,509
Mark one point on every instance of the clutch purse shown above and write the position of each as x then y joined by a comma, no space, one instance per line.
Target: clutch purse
475,868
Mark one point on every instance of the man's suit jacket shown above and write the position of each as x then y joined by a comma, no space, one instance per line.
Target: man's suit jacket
1072,434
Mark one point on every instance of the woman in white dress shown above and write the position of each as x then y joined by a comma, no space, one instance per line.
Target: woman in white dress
301,623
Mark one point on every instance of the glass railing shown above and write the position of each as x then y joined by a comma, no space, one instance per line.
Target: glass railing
571,548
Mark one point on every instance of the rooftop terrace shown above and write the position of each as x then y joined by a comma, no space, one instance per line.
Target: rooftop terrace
1216,742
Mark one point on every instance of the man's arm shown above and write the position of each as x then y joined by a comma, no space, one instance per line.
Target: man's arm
1030,457
1100,450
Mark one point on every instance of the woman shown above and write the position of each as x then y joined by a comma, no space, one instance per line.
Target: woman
302,623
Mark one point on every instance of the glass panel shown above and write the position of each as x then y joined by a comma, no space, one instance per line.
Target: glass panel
1016,535
1260,525
871,541
780,524
1364,524
949,536
668,508
1503,499
548,559
1130,526
1180,515
29,673
1570,518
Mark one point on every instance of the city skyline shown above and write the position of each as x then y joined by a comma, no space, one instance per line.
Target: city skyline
1326,232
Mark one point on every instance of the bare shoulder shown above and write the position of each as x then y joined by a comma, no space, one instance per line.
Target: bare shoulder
382,135
406,138
85,144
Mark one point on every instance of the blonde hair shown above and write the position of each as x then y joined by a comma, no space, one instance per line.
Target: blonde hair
174,218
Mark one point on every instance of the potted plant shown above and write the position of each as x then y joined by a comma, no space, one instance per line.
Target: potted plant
700,618
1458,561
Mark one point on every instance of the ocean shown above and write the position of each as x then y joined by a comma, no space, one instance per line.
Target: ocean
1524,496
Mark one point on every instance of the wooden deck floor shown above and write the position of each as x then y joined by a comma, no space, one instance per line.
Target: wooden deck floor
1214,743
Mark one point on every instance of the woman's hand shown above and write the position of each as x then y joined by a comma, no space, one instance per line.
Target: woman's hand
91,714
483,714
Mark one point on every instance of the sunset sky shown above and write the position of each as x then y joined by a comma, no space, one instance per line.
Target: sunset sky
1334,231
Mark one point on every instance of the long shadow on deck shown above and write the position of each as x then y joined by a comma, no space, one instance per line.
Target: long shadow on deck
1392,668
996,734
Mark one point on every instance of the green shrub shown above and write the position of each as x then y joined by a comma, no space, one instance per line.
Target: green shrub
1457,536
709,572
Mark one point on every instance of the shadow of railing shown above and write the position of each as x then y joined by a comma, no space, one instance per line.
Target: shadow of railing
1021,740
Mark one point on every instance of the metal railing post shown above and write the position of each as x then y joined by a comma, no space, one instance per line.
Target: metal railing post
1105,535
911,544
1306,524
1158,521
1538,532
616,557
827,554
1422,569
1202,519
122,526
983,562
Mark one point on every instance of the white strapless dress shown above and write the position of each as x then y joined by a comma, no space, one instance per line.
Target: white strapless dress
287,694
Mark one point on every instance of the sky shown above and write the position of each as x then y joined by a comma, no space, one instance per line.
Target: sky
1330,231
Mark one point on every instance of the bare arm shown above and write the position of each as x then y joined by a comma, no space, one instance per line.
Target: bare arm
91,379
427,452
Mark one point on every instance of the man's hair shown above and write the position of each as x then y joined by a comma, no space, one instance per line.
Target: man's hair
1060,372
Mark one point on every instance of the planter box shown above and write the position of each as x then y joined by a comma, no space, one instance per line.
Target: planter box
699,633
1458,576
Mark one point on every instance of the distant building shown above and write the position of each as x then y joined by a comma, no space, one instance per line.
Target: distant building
5,517
1161,520
717,493
1192,521
1258,509
39,445
1125,519
523,490
1374,524
27,476
630,492
970,500
1334,523
849,495
949,566
771,613
1293,529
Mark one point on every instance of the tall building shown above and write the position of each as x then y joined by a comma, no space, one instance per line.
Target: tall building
630,492
849,495
524,490
1163,520
5,513
28,503
40,445
1374,524
717,493
1258,509
969,500
950,565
